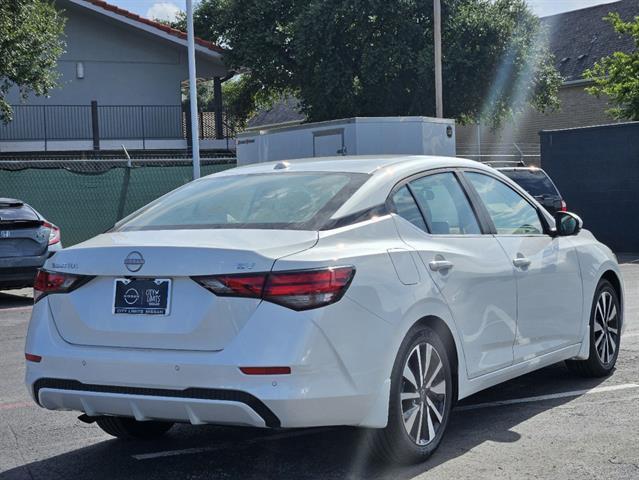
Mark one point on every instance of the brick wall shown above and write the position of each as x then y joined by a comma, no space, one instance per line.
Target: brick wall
578,109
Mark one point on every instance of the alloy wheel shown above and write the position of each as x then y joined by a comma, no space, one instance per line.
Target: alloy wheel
423,394
606,326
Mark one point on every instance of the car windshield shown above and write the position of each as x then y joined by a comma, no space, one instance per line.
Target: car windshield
291,201
535,182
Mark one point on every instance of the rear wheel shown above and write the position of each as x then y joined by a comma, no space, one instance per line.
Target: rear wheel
131,429
605,334
420,400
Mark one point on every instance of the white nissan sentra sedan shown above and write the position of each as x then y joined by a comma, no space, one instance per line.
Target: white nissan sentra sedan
363,291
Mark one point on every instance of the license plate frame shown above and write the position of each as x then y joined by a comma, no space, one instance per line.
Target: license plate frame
142,296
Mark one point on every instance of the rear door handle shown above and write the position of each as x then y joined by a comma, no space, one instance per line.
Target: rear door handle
440,265
521,262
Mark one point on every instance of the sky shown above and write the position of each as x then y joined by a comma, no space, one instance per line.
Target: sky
167,9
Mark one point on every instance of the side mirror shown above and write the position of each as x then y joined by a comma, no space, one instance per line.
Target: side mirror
567,224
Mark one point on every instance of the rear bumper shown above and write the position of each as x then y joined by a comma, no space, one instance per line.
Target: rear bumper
195,405
19,272
17,277
208,387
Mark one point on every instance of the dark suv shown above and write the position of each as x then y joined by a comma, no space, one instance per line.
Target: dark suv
536,182
26,241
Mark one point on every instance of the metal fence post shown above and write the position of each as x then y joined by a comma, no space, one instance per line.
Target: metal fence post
44,121
143,129
94,125
189,138
218,107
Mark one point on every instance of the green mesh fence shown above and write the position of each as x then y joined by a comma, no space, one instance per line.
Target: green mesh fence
87,198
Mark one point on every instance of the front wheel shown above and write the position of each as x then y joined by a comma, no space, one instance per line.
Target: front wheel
420,400
130,429
605,334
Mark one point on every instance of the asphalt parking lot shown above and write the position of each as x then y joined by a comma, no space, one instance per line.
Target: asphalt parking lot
548,424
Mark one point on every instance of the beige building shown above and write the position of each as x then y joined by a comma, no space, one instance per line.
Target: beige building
577,40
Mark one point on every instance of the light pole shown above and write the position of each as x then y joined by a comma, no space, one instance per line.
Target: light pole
195,128
437,19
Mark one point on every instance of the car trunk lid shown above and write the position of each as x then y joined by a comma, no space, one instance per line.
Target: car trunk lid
196,319
22,233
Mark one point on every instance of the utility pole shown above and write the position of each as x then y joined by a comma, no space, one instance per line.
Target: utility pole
195,128
437,18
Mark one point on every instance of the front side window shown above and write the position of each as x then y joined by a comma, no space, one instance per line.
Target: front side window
509,211
294,201
444,204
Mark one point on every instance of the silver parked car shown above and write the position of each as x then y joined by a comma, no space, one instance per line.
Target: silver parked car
27,239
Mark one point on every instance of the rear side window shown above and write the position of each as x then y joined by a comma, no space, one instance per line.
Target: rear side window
406,207
535,182
295,201
444,204
509,211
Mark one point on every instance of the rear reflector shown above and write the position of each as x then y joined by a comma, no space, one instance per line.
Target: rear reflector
32,358
564,207
266,370
298,290
53,282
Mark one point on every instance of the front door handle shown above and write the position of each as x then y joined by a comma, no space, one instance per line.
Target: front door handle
521,262
440,265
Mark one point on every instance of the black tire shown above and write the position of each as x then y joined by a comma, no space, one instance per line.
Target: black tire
130,429
601,363
394,443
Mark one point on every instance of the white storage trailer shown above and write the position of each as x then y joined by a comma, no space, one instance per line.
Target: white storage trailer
350,136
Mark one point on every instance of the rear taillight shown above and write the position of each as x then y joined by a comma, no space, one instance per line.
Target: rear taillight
308,289
564,207
298,290
54,233
53,282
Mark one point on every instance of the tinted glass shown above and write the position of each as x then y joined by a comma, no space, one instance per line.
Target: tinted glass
445,205
535,182
510,212
406,207
298,201
19,213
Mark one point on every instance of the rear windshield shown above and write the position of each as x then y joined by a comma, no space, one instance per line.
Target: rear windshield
292,201
535,182
15,212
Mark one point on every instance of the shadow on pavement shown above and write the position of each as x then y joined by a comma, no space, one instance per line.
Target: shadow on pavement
333,453
628,258
9,299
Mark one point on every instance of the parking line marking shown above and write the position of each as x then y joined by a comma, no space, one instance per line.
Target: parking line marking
13,406
552,396
16,309
191,451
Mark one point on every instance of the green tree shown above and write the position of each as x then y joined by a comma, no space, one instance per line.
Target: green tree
374,57
30,44
617,75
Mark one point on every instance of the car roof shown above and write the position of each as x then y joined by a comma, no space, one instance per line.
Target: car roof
368,164
385,172
520,169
